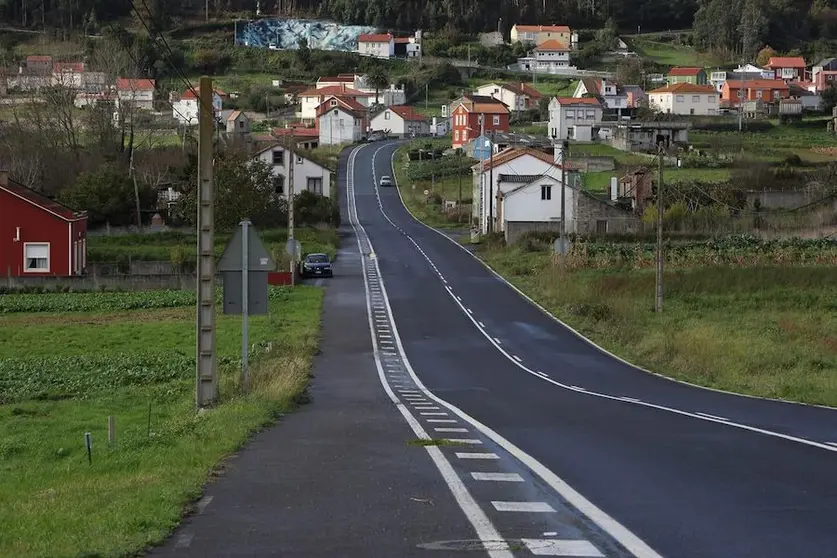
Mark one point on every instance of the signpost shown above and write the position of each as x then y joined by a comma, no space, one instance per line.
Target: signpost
244,266
482,148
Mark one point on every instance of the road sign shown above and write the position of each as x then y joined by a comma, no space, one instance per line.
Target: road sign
482,148
258,258
293,248
562,246
231,267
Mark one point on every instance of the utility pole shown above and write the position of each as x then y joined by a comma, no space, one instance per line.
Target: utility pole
482,171
206,389
206,8
491,186
245,305
426,95
565,148
744,97
290,154
658,304
133,175
459,203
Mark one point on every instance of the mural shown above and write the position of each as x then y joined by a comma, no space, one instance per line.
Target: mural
286,33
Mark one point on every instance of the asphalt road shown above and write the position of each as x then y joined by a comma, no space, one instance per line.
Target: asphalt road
691,472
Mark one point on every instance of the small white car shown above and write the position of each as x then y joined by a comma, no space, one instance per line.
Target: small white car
385,181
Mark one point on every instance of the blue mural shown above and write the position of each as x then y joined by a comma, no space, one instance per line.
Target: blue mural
286,33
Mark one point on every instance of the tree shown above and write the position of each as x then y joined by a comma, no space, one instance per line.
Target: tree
378,79
764,56
752,26
303,53
107,194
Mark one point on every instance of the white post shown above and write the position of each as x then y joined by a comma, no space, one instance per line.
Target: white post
245,260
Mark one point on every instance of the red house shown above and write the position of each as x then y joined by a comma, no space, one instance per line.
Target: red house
471,112
39,236
735,91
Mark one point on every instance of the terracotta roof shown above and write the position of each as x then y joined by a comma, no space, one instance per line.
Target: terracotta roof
190,94
233,115
402,40
685,88
124,84
592,101
346,103
684,71
38,58
481,104
786,62
296,132
546,28
374,38
551,44
514,153
43,202
756,84
521,88
77,67
407,113
340,90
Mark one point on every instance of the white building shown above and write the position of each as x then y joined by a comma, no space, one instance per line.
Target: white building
310,100
392,95
517,96
575,119
511,168
549,57
539,201
137,92
401,121
440,126
186,106
613,98
377,45
308,175
685,99
341,120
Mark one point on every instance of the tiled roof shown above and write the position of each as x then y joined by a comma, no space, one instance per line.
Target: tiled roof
756,84
786,62
124,84
190,94
43,202
551,44
297,132
546,28
233,115
514,153
481,104
684,71
408,113
346,103
341,90
77,67
592,101
685,88
522,89
374,38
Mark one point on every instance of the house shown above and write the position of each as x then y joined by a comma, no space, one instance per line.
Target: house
635,95
311,99
308,175
646,137
303,136
537,34
508,169
549,57
810,100
185,107
68,74
637,187
85,99
408,47
517,96
768,90
695,76
41,65
717,78
824,74
341,120
685,98
401,121
39,236
574,118
788,67
381,45
440,126
392,95
237,123
610,93
136,92
472,114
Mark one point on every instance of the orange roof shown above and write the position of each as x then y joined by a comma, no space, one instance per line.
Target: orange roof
685,88
296,132
481,104
545,28
685,71
340,90
551,44
514,153
125,84
374,38
346,103
578,101
233,115
756,84
522,89
38,58
77,67
786,62
190,94
407,113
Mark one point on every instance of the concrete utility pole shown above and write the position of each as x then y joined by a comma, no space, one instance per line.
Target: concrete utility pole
491,186
562,232
459,203
291,156
658,303
245,305
206,390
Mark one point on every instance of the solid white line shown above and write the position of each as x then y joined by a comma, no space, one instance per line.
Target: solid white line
481,324
451,429
498,477
529,507
832,443
557,547
631,399
578,388
517,358
716,417
497,341
467,455
483,527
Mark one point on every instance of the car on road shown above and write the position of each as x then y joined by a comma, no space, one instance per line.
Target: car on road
386,181
316,265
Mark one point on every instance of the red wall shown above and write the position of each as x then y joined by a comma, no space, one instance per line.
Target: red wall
36,225
473,123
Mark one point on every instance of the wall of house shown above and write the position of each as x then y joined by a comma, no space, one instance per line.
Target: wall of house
383,50
339,128
527,205
591,213
388,120
560,121
685,103
303,170
36,226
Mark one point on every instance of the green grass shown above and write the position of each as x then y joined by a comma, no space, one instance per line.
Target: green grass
600,181
52,503
668,54
765,331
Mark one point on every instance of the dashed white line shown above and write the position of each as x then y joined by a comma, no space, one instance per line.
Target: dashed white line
556,547
472,441
631,399
467,455
497,341
517,358
497,477
450,429
442,421
433,414
482,325
707,415
529,507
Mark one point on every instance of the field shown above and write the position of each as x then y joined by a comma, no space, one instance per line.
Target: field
71,360
754,319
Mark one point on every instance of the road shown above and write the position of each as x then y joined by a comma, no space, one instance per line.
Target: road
654,467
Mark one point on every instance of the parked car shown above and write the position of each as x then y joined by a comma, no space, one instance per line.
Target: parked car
386,181
317,265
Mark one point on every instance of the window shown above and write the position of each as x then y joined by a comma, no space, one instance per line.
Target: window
386,115
279,184
679,98
315,184
712,99
601,226
36,257
591,114
695,98
570,114
241,124
739,94
496,120
456,135
777,94
333,103
546,192
278,157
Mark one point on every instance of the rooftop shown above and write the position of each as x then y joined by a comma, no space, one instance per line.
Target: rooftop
685,71
374,38
685,88
39,200
551,44
543,28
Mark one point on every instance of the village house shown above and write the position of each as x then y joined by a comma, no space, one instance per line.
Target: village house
472,114
610,93
695,76
824,74
308,175
68,74
185,106
236,122
379,45
392,95
788,68
717,78
537,34
39,236
85,99
767,90
549,57
38,64
311,99
685,99
408,47
517,96
303,136
401,121
574,118
647,136
341,120
136,92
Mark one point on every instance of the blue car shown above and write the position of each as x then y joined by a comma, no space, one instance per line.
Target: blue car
317,265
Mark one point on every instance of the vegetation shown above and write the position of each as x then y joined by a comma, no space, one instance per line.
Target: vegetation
138,366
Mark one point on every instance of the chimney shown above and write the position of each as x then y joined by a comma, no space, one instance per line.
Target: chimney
4,178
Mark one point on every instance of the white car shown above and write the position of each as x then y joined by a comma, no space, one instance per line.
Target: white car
385,181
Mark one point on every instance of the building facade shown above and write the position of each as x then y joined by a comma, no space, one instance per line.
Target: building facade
308,175
472,113
574,118
685,99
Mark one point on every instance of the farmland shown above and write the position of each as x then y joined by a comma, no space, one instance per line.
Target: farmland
740,314
130,355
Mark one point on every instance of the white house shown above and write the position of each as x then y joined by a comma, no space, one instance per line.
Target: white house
537,201
391,95
341,120
517,96
308,175
68,74
685,99
613,97
509,169
401,121
572,118
137,92
549,57
408,47
311,99
378,45
186,106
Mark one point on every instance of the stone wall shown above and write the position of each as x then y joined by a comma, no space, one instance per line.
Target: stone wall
593,216
515,229
592,164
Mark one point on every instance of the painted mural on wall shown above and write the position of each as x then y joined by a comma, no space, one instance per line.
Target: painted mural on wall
286,33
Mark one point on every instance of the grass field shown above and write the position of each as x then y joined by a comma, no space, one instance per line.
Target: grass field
130,355
668,54
766,331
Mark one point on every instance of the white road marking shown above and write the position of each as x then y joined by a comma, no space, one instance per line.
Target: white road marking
471,441
631,399
467,455
442,421
551,534
442,429
184,540
832,443
497,341
482,325
578,388
433,414
712,416
497,477
517,358
469,310
556,547
203,502
529,507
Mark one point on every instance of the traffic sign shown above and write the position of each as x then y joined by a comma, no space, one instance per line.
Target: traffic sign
482,148
293,248
233,273
562,246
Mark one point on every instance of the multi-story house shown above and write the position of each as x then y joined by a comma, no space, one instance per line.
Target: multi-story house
311,99
788,68
341,120
380,45
767,90
517,96
136,92
537,34
186,106
685,99
473,113
695,76
574,118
